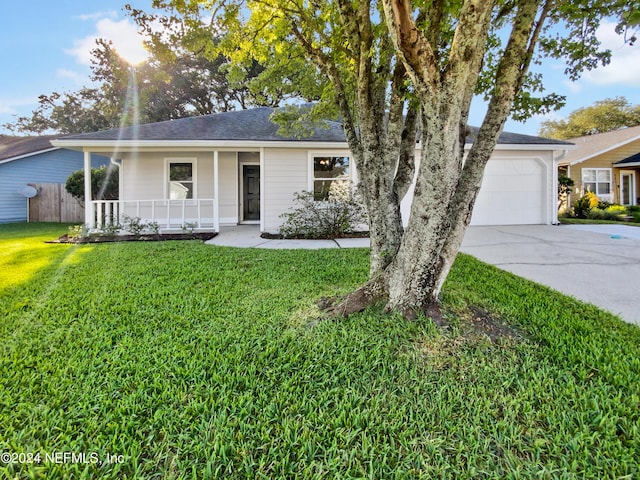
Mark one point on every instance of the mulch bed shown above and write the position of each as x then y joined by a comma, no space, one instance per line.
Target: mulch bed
277,236
204,236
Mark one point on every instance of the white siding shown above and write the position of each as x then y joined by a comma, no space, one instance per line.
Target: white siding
204,175
285,172
144,176
228,184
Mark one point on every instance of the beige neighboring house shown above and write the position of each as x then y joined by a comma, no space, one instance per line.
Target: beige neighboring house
607,164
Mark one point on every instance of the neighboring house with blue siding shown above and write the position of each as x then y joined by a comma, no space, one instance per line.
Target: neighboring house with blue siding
25,160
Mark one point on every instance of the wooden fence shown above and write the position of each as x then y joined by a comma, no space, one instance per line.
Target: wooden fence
54,204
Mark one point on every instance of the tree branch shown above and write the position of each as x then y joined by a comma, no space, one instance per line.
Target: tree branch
412,45
330,69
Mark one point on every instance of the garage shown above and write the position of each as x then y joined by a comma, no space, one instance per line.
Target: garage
513,192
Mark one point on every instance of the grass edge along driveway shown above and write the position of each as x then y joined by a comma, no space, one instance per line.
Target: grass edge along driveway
182,360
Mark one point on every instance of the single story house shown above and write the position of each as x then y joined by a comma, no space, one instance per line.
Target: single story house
232,168
607,164
32,160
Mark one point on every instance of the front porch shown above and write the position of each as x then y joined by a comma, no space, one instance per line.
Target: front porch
161,215
191,190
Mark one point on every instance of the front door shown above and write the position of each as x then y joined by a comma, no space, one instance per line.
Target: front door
251,192
627,188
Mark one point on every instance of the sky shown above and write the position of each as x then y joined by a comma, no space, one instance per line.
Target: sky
45,47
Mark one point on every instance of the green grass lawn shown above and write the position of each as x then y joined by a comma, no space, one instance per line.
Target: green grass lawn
182,360
589,221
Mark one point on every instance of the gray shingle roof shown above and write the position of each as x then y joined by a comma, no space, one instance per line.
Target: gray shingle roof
241,125
510,138
251,125
11,147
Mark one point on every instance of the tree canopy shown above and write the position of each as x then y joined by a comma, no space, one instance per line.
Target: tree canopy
604,116
175,82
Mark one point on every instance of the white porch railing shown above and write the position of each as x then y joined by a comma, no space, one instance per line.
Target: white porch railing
197,214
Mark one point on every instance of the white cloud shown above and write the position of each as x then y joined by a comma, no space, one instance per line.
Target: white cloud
124,36
572,87
76,77
624,68
98,15
6,108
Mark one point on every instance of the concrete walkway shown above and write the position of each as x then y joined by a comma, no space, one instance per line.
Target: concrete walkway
248,236
598,264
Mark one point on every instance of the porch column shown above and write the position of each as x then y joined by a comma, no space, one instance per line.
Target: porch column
88,206
216,193
263,211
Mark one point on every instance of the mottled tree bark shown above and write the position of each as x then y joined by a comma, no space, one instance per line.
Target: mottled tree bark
379,125
447,183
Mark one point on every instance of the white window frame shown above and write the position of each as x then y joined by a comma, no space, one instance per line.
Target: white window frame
194,168
604,196
331,153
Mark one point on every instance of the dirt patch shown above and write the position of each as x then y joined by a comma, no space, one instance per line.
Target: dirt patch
204,236
481,322
473,328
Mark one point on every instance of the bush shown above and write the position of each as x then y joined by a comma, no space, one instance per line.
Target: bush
340,214
616,212
134,225
585,204
596,214
104,183
612,212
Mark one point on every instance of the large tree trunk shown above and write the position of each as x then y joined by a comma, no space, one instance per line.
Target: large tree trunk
447,185
417,272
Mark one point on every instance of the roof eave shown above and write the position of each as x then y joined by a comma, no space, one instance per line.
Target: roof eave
122,145
126,145
624,165
529,146
605,150
26,155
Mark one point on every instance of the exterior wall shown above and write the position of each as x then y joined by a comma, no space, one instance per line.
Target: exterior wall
228,184
605,160
49,167
145,175
285,173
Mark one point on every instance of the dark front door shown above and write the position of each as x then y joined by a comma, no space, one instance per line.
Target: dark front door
251,192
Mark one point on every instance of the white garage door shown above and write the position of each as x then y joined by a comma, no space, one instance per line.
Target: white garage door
512,193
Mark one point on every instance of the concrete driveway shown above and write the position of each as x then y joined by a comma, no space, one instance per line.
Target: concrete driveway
598,264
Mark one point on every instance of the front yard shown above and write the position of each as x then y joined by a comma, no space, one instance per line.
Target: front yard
182,360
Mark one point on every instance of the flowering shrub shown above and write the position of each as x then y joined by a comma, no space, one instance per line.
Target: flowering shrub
340,214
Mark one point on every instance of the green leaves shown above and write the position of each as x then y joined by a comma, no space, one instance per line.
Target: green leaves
604,116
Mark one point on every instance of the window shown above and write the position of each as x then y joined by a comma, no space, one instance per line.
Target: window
329,173
180,180
597,180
